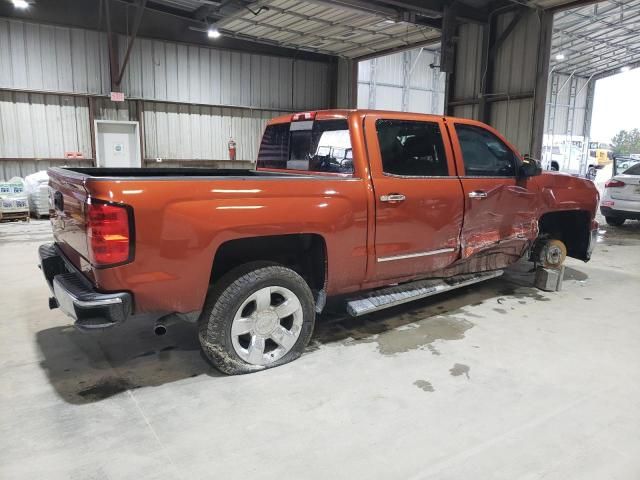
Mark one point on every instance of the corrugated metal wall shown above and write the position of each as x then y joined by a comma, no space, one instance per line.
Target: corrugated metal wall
24,167
168,71
402,81
36,125
118,111
572,94
187,93
201,132
345,96
50,58
466,84
514,75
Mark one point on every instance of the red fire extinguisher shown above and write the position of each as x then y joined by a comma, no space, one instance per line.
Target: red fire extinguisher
232,149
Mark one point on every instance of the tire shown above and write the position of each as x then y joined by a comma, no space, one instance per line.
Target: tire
238,303
614,221
553,253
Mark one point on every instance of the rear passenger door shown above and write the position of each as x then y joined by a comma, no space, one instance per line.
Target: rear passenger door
500,209
418,197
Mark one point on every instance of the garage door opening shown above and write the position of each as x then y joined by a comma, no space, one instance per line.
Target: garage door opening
594,51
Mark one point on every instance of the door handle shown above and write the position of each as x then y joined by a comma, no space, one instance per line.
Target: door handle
392,198
478,194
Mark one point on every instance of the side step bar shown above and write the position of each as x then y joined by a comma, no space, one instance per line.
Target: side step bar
407,292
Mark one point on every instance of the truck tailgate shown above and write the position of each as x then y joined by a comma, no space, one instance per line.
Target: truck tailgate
69,226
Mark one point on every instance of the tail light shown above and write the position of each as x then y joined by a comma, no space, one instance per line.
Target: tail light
109,233
614,184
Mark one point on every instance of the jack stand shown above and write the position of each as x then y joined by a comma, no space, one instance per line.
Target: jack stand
549,279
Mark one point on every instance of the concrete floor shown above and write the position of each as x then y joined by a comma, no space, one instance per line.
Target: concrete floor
496,381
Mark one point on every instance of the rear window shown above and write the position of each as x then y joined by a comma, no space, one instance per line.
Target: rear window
627,166
316,146
635,170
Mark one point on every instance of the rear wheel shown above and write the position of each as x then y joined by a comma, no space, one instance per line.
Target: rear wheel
258,316
614,221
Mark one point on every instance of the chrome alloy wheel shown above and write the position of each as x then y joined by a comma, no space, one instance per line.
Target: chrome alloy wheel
267,325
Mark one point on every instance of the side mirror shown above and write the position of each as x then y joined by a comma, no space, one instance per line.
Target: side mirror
530,167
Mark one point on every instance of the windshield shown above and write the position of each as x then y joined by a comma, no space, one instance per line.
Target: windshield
320,146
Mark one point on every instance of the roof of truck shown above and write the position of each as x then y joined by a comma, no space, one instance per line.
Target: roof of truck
344,113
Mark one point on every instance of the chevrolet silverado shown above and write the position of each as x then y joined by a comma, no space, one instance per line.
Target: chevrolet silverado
376,207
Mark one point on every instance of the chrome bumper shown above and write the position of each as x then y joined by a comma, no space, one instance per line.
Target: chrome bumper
75,295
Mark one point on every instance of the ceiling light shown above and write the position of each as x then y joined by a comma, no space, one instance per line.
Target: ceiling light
213,33
626,68
560,57
21,4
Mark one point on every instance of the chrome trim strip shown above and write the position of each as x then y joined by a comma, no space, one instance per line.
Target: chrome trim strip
414,255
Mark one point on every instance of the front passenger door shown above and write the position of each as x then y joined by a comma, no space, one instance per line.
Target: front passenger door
500,209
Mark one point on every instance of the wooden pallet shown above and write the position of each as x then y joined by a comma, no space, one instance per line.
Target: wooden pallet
10,216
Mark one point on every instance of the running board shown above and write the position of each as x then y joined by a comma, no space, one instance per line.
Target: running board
407,292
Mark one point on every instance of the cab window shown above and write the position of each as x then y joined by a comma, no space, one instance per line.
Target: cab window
317,146
411,148
484,154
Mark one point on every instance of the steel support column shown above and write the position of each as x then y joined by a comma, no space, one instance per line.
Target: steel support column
586,126
372,83
542,78
406,80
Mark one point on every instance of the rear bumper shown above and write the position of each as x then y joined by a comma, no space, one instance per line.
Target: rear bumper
75,295
615,212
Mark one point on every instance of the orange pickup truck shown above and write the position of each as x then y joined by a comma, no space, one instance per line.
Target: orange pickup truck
377,207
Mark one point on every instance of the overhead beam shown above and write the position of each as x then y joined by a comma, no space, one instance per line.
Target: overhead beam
401,48
615,71
407,10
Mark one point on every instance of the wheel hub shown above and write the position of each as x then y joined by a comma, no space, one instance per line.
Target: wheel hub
554,254
265,322
267,325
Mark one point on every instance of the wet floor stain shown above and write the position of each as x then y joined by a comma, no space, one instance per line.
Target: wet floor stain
433,350
424,385
626,235
423,335
459,369
573,274
523,293
105,388
394,331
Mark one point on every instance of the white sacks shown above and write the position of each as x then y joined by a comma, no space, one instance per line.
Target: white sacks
13,199
37,189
